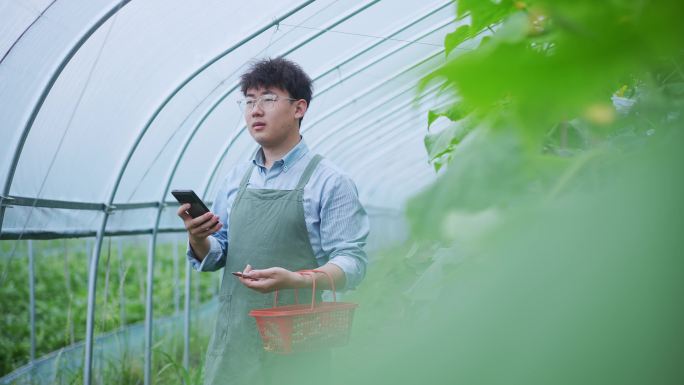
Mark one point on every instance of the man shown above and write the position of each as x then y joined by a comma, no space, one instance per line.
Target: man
285,210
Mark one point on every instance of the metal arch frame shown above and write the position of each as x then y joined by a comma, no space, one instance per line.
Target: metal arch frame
368,110
351,134
236,85
394,190
418,183
395,32
394,171
373,62
406,126
50,203
26,30
212,108
225,94
230,143
92,273
434,54
411,117
414,164
354,98
44,94
380,155
66,59
385,56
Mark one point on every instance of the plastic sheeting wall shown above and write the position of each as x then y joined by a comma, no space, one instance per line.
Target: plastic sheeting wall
155,85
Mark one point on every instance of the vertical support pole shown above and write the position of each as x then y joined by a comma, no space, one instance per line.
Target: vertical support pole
186,330
90,316
122,292
32,301
197,287
70,295
148,310
176,278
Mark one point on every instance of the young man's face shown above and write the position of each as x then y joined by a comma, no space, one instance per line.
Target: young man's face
273,123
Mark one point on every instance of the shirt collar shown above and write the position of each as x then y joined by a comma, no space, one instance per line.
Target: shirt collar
288,160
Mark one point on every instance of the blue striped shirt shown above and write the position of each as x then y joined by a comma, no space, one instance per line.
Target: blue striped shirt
336,221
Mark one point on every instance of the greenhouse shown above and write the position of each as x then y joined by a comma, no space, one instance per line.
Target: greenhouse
474,192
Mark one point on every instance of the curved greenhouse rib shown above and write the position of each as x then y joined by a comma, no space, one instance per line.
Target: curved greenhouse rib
359,142
225,94
235,86
26,30
354,98
46,91
207,113
388,54
399,130
92,274
393,111
386,150
404,181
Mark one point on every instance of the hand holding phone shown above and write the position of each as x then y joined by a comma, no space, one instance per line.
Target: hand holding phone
197,207
197,218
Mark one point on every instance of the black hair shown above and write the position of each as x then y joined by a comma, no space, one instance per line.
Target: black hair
281,73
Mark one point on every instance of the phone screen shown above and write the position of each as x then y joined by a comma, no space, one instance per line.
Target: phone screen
197,207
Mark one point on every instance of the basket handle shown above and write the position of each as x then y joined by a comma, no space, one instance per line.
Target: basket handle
313,289
331,281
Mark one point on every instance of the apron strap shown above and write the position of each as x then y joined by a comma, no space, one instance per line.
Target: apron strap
309,171
243,183
245,178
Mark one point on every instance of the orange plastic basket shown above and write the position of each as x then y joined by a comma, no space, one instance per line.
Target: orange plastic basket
303,328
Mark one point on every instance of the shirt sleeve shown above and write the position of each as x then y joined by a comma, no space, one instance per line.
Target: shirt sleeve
214,260
344,229
218,242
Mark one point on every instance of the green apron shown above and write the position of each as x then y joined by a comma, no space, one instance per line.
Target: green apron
267,229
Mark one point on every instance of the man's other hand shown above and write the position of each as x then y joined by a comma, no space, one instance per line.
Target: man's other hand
273,278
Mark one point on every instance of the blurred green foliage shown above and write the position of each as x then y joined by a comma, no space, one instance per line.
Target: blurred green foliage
548,251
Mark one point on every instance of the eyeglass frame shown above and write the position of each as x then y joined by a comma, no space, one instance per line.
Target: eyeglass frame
242,103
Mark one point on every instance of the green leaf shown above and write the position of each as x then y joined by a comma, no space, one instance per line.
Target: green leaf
453,39
432,116
485,13
444,141
455,112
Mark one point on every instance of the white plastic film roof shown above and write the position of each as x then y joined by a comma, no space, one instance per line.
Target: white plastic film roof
105,106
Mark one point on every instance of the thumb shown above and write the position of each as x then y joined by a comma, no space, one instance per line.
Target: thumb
247,269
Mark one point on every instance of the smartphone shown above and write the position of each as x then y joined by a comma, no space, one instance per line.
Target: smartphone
197,207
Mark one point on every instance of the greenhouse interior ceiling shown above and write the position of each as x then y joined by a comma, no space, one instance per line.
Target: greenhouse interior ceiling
514,211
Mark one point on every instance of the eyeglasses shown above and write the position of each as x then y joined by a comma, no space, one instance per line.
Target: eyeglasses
265,102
